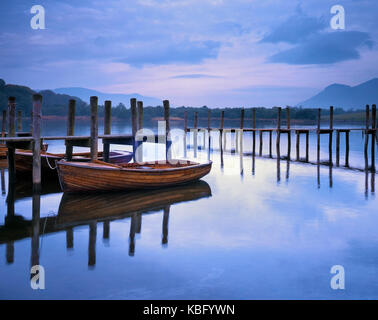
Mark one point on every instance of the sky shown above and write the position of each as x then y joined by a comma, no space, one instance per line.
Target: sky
219,53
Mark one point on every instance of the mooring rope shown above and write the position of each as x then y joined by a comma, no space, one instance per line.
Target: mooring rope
53,214
48,163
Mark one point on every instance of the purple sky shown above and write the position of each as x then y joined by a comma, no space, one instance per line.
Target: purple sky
192,52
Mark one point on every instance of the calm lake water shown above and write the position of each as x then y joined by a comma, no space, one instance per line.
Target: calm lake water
251,229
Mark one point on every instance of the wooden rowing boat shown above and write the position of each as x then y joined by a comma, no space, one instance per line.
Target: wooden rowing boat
101,176
76,209
24,160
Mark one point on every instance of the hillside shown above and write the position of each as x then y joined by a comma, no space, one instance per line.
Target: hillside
53,104
116,98
344,96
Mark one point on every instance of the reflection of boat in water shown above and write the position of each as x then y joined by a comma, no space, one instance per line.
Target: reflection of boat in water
100,176
76,209
24,159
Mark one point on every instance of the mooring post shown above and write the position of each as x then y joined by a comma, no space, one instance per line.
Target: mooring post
221,131
307,145
37,116
209,129
270,143
19,121
297,145
4,123
195,137
330,134
278,141
239,133
261,143
134,125
107,128
11,133
140,129
366,137
185,131
94,128
318,137
373,136
337,148
288,132
168,149
70,127
347,148
254,132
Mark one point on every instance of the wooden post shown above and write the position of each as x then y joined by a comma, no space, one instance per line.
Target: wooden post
94,128
107,128
11,118
208,120
307,145
297,144
208,132
70,127
337,148
254,132
289,132
373,136
221,131
167,130
4,123
278,141
318,137
37,116
366,138
242,118
330,134
347,149
185,130
134,125
11,133
19,121
195,136
140,127
261,143
270,143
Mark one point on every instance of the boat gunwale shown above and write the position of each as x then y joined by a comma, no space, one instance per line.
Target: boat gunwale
111,168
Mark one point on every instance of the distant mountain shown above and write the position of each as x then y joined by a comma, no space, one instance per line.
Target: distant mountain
346,97
116,98
53,103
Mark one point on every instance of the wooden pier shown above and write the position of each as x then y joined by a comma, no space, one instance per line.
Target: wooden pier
370,130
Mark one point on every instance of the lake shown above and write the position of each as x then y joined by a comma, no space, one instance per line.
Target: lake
252,229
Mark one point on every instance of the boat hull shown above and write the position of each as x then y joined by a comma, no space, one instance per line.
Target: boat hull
89,177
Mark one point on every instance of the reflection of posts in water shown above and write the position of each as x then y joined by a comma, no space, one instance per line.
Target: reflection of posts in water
2,182
330,176
138,227
164,240
35,228
106,231
318,173
132,235
373,182
366,183
69,238
92,244
287,169
10,252
278,168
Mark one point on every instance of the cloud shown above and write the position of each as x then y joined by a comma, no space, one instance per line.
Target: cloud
325,48
171,52
295,29
194,76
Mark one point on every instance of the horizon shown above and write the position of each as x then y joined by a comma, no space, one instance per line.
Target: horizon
245,53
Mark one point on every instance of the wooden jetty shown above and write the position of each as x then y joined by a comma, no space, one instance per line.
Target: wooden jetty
369,131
